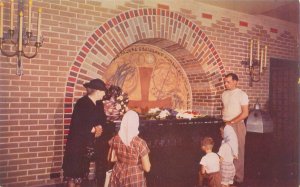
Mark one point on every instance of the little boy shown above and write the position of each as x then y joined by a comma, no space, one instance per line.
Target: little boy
227,152
210,164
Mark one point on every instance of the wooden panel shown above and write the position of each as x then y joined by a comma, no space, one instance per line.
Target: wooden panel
284,111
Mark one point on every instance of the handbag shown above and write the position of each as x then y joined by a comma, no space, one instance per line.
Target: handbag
90,153
107,177
112,157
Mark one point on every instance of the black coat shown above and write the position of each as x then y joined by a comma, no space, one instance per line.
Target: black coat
86,115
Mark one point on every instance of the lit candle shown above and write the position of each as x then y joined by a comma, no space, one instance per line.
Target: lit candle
11,14
250,58
21,32
266,48
258,50
38,40
261,61
1,19
29,15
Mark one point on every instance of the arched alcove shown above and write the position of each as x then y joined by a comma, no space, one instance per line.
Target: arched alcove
171,32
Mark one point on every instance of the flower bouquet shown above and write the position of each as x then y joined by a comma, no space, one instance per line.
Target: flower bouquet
115,104
157,113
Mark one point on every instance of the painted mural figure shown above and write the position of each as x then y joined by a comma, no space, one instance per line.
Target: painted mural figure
235,110
87,123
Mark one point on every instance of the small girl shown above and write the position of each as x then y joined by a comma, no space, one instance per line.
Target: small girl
132,154
210,164
227,152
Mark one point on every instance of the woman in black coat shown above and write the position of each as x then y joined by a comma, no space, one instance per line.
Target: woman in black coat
86,123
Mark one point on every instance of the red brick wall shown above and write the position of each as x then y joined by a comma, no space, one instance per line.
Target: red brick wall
80,41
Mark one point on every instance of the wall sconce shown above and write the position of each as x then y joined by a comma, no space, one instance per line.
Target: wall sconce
20,37
257,62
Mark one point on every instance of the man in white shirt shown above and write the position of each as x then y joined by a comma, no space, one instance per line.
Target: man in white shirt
235,110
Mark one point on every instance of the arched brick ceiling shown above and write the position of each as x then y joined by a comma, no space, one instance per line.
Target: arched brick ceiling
179,52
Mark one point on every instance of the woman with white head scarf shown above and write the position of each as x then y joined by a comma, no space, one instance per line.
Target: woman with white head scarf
132,154
129,127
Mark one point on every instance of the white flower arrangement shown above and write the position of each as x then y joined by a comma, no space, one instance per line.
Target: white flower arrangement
157,113
184,115
164,114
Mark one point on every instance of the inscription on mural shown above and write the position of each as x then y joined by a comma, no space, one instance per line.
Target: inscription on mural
151,77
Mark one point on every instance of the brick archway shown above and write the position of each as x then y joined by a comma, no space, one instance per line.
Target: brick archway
132,26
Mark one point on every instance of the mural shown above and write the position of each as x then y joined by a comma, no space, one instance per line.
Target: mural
151,77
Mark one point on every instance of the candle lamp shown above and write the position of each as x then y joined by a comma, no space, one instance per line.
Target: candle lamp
256,64
20,37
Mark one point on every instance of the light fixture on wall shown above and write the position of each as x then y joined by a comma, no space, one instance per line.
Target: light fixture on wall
257,62
14,41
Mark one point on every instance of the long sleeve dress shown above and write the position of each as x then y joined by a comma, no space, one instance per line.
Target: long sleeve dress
86,115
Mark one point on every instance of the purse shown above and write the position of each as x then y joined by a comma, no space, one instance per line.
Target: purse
90,153
107,178
112,157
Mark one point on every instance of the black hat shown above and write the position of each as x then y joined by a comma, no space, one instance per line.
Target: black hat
96,84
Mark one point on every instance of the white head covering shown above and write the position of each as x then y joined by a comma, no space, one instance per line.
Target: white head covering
129,127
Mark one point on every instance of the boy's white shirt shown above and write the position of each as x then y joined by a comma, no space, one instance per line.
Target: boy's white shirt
230,137
211,162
